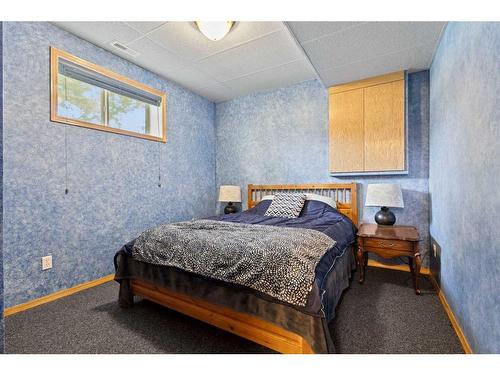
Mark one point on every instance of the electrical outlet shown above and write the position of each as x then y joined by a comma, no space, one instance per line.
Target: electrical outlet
434,250
46,262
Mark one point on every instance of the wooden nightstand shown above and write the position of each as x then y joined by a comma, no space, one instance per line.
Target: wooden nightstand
389,242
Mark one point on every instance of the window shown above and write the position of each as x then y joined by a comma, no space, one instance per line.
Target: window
85,94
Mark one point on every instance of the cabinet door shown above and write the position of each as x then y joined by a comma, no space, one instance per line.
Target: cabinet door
346,131
384,127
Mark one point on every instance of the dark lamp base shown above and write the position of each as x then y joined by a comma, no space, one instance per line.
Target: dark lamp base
385,217
230,208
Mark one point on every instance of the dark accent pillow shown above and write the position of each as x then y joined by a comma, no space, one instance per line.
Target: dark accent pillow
313,208
286,205
261,207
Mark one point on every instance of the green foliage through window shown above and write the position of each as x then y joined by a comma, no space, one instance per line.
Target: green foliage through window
85,102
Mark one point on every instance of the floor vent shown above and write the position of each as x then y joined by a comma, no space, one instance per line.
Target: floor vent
124,48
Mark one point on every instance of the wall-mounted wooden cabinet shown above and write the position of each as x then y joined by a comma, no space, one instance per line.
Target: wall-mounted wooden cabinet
367,126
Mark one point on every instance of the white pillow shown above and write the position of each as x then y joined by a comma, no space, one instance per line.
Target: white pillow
310,197
321,198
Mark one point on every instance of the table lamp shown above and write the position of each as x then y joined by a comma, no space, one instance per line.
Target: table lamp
384,196
230,194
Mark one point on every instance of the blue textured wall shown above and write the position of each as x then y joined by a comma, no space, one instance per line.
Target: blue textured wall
113,192
465,176
282,137
1,192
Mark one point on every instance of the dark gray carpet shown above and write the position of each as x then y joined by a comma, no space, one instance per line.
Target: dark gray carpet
381,316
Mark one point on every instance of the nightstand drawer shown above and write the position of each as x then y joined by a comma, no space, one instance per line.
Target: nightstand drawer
389,244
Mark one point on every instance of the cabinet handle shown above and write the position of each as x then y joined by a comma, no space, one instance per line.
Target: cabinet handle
388,244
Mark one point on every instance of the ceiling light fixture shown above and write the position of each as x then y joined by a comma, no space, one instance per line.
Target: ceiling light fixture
214,30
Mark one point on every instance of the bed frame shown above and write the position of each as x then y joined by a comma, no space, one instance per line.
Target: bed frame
346,195
245,325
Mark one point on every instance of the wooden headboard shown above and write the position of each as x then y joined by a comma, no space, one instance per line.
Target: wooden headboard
346,195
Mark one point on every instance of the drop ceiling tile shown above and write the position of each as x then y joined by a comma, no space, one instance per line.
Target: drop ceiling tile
346,46
185,39
272,50
417,58
403,35
101,33
361,70
369,40
281,76
155,58
144,27
412,59
306,31
192,78
258,56
216,93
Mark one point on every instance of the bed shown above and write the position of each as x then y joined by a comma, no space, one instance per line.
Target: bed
268,319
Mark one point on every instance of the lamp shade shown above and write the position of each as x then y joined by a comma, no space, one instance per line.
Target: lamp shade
229,193
384,195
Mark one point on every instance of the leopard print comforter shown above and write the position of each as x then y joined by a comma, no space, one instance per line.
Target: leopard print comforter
277,261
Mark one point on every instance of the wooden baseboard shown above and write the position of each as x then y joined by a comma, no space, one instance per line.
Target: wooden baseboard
55,296
451,316
396,267
371,263
67,292
441,296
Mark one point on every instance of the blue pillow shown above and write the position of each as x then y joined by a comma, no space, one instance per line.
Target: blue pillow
313,208
261,207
